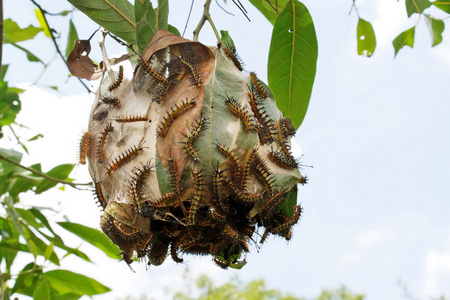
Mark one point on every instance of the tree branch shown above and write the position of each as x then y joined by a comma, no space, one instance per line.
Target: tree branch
44,12
38,173
206,16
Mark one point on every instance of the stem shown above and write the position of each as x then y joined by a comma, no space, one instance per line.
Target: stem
44,12
1,278
36,172
1,43
206,16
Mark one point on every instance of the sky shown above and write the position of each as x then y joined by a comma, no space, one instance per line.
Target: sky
376,208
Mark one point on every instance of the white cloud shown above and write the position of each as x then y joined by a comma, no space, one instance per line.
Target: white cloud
371,238
437,272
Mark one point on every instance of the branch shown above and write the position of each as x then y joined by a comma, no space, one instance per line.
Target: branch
1,36
206,16
38,173
44,12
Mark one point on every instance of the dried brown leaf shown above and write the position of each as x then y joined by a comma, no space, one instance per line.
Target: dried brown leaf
79,63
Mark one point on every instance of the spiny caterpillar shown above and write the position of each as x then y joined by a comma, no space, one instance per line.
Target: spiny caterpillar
264,172
258,85
230,51
286,127
85,145
193,70
247,164
192,136
173,250
131,119
198,184
113,101
123,158
175,181
244,197
98,190
136,183
101,142
240,112
172,115
152,72
284,229
267,210
229,154
118,81
281,160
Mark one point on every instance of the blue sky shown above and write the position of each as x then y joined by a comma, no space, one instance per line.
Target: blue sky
376,208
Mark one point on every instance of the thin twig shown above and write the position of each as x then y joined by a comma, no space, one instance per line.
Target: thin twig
44,12
206,17
189,16
36,172
1,39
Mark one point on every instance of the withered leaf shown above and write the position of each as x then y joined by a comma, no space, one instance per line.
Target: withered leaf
79,63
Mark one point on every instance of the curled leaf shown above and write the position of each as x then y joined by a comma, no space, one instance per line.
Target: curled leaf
79,63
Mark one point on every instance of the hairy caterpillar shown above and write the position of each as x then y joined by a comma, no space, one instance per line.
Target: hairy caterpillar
152,72
172,115
123,158
194,73
118,81
130,119
258,85
230,51
85,145
101,142
240,112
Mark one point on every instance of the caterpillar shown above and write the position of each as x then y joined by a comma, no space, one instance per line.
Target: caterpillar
258,85
249,156
113,101
173,250
303,180
193,69
131,119
157,253
118,231
162,200
152,72
160,95
263,171
175,181
218,188
287,129
240,112
265,235
192,136
229,154
281,160
85,145
267,210
172,115
123,158
98,191
244,197
198,184
230,51
218,217
284,229
136,183
267,127
118,81
143,247
223,265
101,142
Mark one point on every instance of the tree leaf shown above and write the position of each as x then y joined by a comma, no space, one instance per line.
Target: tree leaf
94,237
79,63
173,29
406,38
42,22
32,247
115,15
416,6
73,36
10,105
67,282
6,167
292,61
27,280
15,34
60,172
269,8
226,38
365,36
148,20
443,5
48,251
42,291
436,28
30,56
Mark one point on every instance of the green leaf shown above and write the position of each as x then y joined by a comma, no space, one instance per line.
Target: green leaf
42,22
28,217
4,70
59,172
36,137
32,247
67,282
42,291
287,206
15,34
73,35
292,61
436,28
115,15
406,38
27,280
148,20
10,105
173,29
365,36
48,251
269,8
226,38
416,6
94,237
30,56
443,5
6,167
